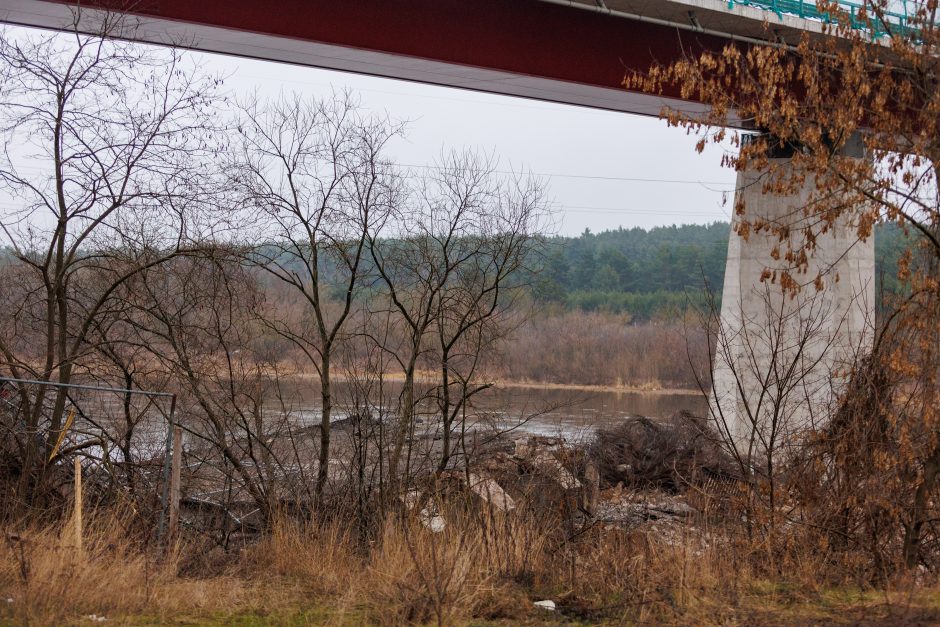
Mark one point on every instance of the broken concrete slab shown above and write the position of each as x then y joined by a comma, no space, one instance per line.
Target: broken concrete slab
547,465
432,520
534,452
491,492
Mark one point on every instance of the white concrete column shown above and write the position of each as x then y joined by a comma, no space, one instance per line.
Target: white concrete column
780,359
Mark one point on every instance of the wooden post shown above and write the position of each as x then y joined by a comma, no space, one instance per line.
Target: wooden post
592,487
78,505
175,468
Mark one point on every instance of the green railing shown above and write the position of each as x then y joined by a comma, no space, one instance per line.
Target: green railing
898,21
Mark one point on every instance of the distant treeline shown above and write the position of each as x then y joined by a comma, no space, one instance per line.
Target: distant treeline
655,274
659,273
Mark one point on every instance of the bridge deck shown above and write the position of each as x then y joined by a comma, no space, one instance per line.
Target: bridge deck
567,51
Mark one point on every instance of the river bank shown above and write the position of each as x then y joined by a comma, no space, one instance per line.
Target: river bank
426,377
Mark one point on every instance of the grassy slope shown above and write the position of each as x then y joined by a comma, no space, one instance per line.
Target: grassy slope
316,576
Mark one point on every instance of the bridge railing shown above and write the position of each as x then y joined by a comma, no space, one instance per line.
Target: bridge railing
898,22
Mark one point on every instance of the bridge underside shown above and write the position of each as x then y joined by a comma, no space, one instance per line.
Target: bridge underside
572,52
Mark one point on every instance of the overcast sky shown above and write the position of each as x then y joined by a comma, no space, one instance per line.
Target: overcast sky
604,170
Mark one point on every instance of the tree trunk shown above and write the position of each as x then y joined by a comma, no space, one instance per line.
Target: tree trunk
326,400
912,534
406,419
445,415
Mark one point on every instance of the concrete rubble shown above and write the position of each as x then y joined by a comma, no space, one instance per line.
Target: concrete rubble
617,508
429,515
432,520
495,480
491,492
536,453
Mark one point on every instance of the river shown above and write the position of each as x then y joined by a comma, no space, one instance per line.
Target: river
574,414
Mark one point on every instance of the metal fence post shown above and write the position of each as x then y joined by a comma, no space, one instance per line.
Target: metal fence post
165,495
173,518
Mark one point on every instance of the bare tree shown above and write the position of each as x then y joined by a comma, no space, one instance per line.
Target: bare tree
464,242
772,385
498,255
198,318
102,141
315,173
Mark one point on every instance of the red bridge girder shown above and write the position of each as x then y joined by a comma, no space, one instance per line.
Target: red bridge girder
529,48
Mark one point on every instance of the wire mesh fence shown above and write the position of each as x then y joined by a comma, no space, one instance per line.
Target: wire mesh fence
238,456
214,462
119,436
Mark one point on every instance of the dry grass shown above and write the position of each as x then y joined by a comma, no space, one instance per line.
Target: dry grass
324,557
472,569
482,568
577,347
50,581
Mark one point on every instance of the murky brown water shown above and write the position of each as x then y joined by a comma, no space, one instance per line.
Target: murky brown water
574,414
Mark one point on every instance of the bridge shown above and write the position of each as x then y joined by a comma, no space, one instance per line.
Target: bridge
565,51
574,52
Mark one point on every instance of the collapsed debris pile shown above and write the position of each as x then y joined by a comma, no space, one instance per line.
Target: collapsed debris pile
643,472
663,454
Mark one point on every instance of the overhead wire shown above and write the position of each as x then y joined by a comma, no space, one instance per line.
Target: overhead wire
599,177
549,175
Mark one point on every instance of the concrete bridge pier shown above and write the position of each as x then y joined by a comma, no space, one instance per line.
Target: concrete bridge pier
781,360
